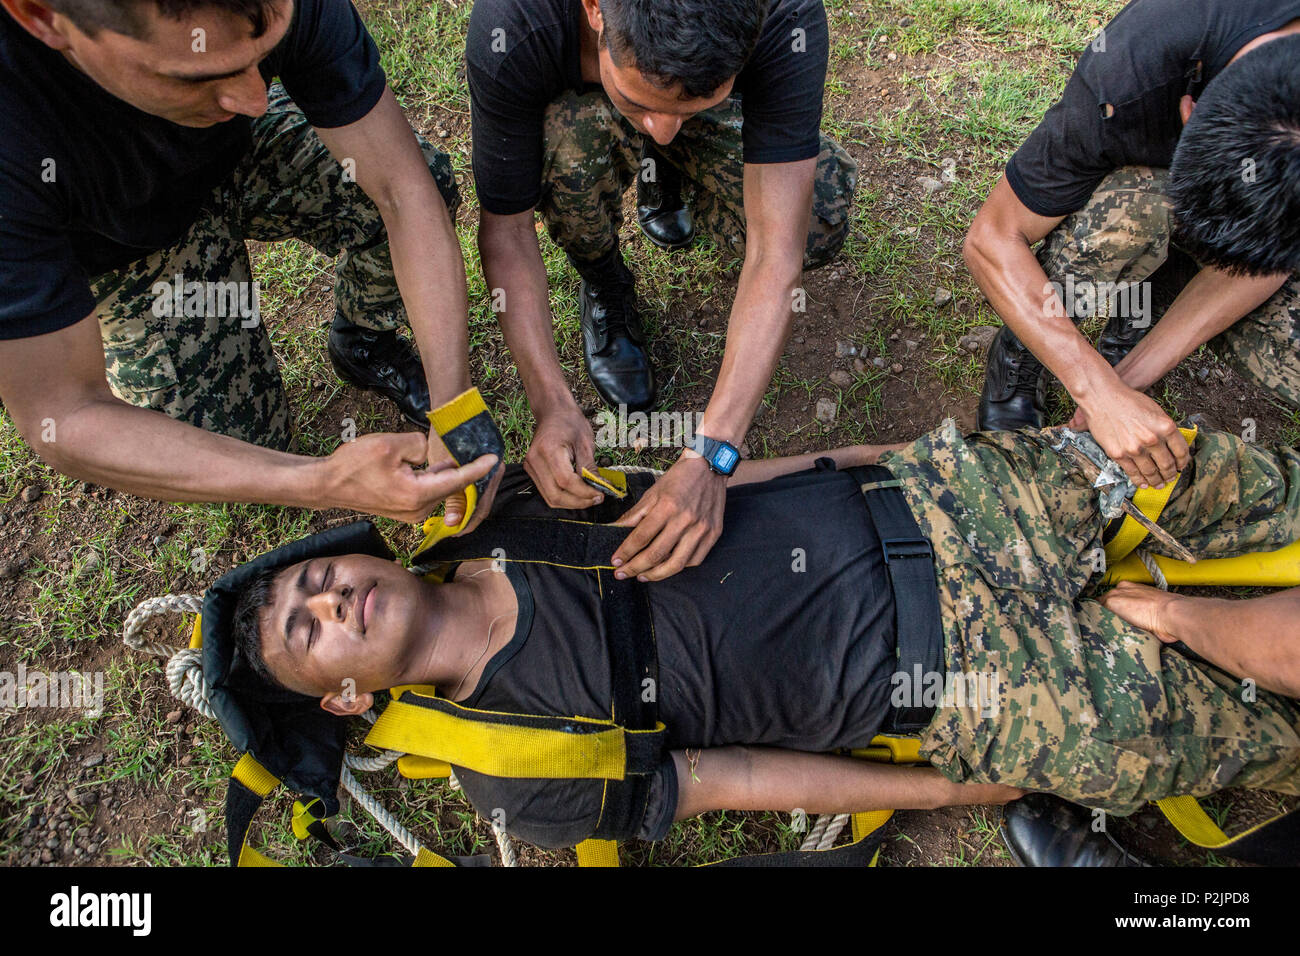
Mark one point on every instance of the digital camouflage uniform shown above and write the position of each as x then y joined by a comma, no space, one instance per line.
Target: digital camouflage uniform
1122,235
210,370
592,156
1087,706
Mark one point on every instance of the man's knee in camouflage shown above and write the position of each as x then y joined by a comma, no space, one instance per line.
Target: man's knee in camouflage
834,181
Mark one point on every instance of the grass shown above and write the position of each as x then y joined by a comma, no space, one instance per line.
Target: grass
978,74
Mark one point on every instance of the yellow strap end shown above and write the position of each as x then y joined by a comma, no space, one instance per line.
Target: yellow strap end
458,411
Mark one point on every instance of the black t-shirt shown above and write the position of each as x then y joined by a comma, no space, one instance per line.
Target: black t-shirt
126,183
783,636
522,54
1141,65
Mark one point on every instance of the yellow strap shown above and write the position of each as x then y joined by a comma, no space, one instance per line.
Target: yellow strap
609,481
303,818
889,749
457,411
1151,502
196,635
254,776
415,767
1191,820
868,822
503,750
429,858
598,853
1270,569
250,857
435,528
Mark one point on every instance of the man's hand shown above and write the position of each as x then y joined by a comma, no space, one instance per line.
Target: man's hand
1137,434
563,444
676,523
378,474
1143,606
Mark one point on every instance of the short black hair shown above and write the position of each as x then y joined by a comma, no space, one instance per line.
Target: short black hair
698,43
1235,178
123,16
246,622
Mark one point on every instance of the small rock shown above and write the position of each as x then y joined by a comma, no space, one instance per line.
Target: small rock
910,230
894,336
841,378
52,843
92,562
878,361
896,367
191,729
88,798
929,185
978,339
94,760
892,56
29,783
31,493
159,540
905,22
71,794
173,716
186,760
47,856
844,349
942,296
859,366
912,344
442,133
826,410
798,340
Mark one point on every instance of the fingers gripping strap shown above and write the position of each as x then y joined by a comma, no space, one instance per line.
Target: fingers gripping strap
466,427
1151,502
514,745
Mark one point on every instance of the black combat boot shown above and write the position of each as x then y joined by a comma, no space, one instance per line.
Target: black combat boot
1042,830
612,337
1122,332
382,362
1015,388
663,215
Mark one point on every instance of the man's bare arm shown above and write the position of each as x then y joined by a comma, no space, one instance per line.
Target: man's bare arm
1211,302
53,386
1131,427
1256,638
679,520
766,778
563,442
764,469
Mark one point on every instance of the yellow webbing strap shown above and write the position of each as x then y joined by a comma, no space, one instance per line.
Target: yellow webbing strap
457,411
597,853
1190,819
502,749
415,767
609,481
429,858
1151,502
868,822
1267,569
254,776
261,781
196,635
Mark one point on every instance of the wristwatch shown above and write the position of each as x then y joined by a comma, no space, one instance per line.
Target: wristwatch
721,457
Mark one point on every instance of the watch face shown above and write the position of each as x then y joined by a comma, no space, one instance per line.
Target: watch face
725,459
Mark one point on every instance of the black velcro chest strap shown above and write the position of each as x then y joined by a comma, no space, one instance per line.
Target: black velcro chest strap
629,628
909,559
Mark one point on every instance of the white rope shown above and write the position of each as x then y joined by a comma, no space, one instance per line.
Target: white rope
1153,569
376,810
825,831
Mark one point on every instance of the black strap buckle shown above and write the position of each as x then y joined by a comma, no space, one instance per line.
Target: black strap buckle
906,548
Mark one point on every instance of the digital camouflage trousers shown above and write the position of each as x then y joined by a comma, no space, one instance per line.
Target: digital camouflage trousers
180,326
1086,705
1123,235
592,155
